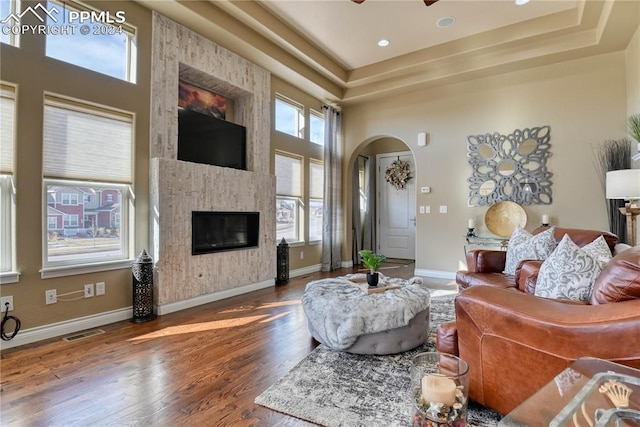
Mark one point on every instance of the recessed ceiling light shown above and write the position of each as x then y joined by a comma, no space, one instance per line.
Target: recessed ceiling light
521,2
383,43
447,21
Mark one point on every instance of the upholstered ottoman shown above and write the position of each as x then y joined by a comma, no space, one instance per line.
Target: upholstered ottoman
343,316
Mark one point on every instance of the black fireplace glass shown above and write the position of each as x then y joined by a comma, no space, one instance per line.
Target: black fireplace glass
223,231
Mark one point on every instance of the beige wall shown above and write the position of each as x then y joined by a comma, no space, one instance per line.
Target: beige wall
311,253
633,75
34,73
584,102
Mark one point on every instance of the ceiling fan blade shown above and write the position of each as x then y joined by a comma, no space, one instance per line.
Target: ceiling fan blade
360,1
427,2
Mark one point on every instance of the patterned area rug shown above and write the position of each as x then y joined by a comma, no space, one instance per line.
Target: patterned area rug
333,388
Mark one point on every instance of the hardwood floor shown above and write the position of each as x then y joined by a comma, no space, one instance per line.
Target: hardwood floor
202,367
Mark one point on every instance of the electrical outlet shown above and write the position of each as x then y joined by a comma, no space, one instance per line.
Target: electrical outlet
89,291
6,300
100,288
51,296
443,209
301,254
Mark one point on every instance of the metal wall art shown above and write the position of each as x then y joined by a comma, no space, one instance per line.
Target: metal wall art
510,167
398,174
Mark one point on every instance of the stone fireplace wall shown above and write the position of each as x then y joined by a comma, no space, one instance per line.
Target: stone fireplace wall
178,187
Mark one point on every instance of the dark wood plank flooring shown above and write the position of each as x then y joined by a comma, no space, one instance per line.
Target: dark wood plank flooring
202,367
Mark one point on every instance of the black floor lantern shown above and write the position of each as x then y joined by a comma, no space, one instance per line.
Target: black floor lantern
142,270
282,270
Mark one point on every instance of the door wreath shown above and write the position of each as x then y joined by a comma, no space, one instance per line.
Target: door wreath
398,174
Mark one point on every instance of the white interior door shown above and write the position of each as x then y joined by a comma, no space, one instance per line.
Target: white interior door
396,210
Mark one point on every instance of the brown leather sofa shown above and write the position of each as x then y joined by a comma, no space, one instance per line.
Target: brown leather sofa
484,267
516,342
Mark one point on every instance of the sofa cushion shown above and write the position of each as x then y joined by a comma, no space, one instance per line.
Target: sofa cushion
523,245
580,237
465,279
620,279
570,271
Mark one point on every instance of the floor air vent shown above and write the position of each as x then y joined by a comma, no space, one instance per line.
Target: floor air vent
82,335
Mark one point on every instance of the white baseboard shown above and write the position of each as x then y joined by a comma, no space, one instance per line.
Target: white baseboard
439,274
53,330
347,264
217,296
305,270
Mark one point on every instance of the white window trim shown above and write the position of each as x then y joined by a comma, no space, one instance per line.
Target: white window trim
8,246
297,106
319,115
59,269
130,30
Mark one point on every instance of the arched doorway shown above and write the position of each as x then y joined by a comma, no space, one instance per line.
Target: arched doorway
382,217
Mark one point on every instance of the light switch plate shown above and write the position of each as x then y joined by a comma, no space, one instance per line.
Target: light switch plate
443,209
427,209
421,209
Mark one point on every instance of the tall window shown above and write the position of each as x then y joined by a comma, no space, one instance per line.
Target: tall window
107,49
316,127
10,34
288,197
7,192
87,150
316,193
289,117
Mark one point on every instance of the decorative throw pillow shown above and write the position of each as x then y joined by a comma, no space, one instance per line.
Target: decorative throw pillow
599,250
523,245
569,272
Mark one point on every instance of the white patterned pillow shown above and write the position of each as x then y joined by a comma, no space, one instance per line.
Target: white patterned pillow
599,250
570,272
523,245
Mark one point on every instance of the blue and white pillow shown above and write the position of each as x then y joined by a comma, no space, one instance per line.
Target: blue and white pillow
570,271
523,245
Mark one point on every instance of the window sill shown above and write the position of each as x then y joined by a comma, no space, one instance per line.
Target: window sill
293,244
71,270
315,242
9,277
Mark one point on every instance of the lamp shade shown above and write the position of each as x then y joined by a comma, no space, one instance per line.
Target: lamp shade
623,184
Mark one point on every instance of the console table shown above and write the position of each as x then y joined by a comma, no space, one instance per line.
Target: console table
485,241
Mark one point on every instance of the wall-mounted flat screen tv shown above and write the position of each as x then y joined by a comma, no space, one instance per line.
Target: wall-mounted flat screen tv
206,139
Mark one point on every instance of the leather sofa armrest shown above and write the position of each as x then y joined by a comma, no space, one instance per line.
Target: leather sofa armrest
515,343
486,261
526,275
447,338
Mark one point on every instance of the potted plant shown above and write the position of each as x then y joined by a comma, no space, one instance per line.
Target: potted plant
372,262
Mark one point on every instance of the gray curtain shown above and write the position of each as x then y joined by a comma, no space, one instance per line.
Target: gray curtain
369,224
356,232
332,227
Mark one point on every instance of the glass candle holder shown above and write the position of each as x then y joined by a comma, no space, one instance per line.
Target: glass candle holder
439,390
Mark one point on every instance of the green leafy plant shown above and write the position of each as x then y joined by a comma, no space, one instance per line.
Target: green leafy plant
370,260
633,124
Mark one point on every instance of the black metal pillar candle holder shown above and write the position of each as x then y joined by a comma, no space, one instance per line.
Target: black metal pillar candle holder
471,233
142,271
282,267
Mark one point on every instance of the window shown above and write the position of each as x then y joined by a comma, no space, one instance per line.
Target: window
52,223
106,49
288,197
289,117
10,33
7,188
69,199
109,197
316,127
316,204
87,151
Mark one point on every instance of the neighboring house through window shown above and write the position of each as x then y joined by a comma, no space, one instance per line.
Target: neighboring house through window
288,197
87,153
316,194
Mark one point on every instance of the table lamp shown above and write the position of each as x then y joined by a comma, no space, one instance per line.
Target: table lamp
625,184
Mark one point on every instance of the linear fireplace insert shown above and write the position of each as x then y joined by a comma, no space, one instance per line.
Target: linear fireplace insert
223,231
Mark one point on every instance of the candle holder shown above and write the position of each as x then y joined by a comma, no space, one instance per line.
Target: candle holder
470,232
544,225
439,390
